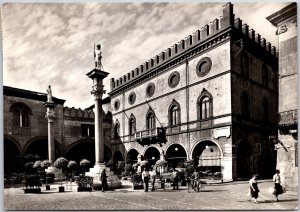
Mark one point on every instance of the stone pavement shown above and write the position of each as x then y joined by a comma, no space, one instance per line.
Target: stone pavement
226,196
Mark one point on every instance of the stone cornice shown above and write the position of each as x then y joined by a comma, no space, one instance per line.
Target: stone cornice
283,14
198,49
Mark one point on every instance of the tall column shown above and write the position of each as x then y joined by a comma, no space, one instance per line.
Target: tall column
50,117
97,75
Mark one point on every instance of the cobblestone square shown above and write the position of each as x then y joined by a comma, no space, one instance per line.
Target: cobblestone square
226,196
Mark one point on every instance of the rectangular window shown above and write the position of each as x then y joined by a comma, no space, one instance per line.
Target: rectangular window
88,130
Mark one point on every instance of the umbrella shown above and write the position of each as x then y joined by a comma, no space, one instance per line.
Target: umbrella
144,163
161,162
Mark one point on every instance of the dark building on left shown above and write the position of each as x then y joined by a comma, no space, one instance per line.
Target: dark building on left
25,130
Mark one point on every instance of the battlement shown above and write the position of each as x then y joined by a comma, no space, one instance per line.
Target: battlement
200,36
78,113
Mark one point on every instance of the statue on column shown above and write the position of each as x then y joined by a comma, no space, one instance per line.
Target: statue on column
97,56
49,95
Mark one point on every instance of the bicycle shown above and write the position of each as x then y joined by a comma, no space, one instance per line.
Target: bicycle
194,184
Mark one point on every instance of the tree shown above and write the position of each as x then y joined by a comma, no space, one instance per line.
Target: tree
72,166
38,165
84,163
61,163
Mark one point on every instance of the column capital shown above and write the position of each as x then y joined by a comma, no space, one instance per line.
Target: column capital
98,91
50,116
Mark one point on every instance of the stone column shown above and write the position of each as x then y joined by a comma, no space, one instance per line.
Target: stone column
97,76
50,117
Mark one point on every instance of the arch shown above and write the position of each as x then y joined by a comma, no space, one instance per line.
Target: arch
16,143
207,155
174,113
175,155
131,156
12,160
151,154
20,106
37,148
244,160
202,140
150,119
205,105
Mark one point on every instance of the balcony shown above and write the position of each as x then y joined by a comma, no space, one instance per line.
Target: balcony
151,136
288,118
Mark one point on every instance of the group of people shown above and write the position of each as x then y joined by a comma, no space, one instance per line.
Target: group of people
150,176
253,190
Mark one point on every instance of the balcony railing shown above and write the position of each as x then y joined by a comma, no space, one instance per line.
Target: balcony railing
288,118
149,136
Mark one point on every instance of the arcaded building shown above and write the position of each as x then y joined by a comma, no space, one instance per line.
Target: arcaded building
211,97
287,144
26,132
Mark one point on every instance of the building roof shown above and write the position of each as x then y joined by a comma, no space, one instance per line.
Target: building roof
283,14
27,94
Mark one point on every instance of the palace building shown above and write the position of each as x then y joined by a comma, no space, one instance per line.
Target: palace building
287,144
211,98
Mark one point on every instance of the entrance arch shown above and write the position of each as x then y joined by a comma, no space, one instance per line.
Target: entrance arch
85,149
12,160
243,160
151,155
132,156
207,156
175,155
37,149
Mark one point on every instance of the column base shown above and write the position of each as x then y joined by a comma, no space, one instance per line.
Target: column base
112,180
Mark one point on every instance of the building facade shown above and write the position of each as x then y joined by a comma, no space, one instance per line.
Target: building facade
211,97
26,132
287,144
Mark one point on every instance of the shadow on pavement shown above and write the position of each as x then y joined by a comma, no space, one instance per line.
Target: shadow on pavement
274,201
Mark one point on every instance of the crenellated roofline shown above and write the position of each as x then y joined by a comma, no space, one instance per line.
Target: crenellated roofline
219,30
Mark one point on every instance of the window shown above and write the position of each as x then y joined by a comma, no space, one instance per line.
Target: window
174,79
150,89
203,66
132,125
205,105
150,120
117,104
265,76
88,130
245,105
245,65
204,111
131,98
20,114
174,114
117,129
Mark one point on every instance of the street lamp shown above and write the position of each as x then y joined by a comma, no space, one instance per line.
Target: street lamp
176,149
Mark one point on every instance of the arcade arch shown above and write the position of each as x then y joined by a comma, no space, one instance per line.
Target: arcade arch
151,154
12,160
175,155
132,156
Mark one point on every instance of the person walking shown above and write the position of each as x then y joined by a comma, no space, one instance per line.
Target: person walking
175,179
145,177
254,188
152,177
277,184
104,180
196,180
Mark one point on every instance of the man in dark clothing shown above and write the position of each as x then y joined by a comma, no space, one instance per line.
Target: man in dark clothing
175,179
104,180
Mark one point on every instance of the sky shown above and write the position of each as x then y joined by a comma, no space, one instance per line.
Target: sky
52,43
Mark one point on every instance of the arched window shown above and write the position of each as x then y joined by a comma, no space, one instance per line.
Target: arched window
150,120
245,105
205,106
244,65
20,114
117,129
132,125
174,113
265,77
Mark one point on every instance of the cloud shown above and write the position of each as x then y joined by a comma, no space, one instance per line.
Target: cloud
53,43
